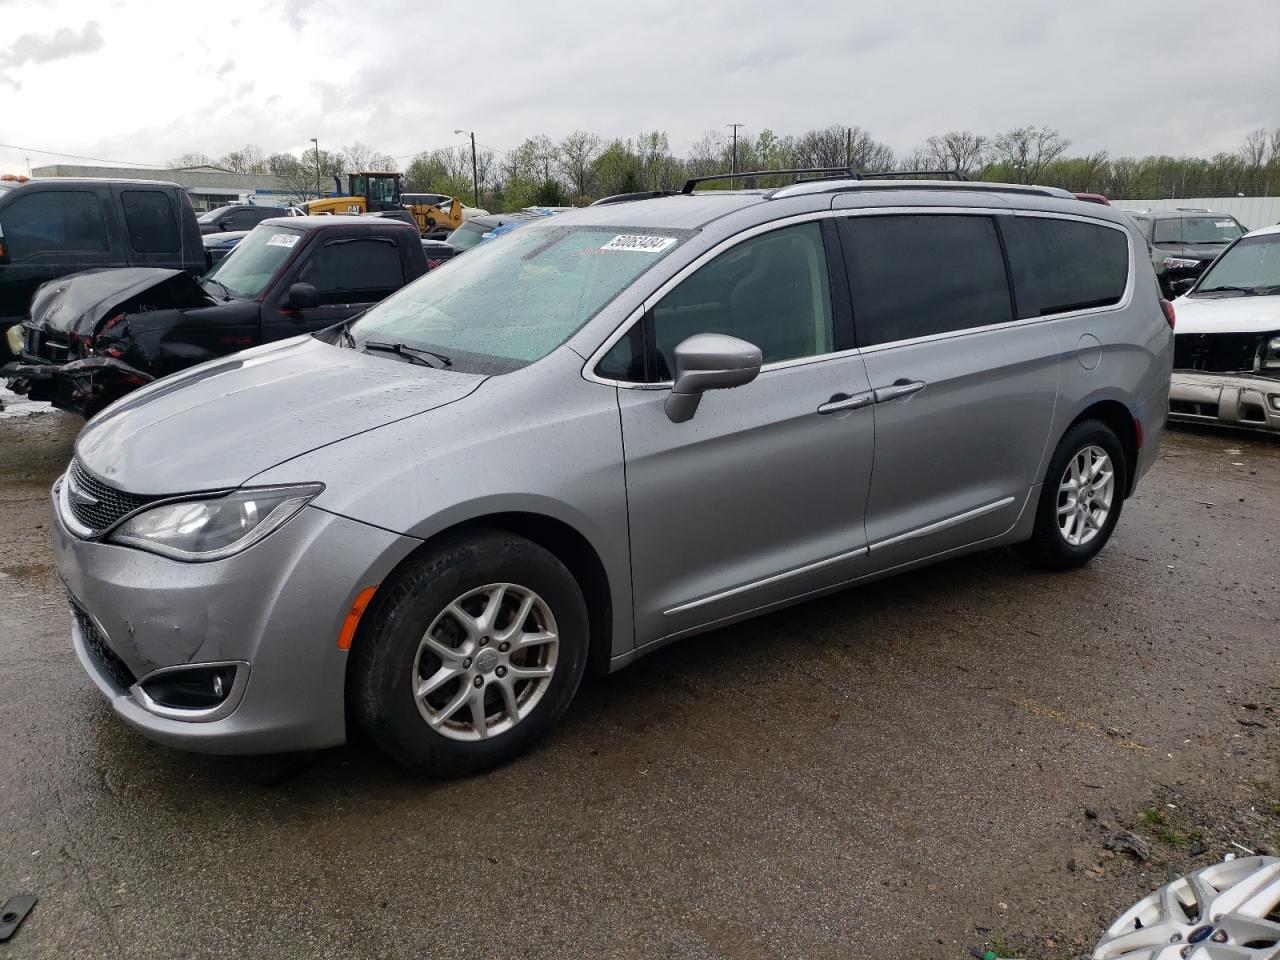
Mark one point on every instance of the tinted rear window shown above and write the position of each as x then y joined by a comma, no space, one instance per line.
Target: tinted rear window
1062,265
149,216
919,275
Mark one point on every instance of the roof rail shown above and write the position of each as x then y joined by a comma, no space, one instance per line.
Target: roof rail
638,195
908,174
842,173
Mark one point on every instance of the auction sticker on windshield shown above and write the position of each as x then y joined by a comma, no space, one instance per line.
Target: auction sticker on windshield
639,243
283,240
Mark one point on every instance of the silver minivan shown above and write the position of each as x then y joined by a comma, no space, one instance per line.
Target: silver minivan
598,434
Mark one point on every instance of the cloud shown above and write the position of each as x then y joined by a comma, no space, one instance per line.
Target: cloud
227,67
59,45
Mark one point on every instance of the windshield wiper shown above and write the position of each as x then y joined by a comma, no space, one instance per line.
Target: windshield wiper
412,354
345,330
1249,291
225,289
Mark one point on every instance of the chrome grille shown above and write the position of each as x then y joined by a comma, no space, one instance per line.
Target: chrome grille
96,505
107,660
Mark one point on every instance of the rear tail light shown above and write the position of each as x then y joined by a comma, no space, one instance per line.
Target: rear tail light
1169,315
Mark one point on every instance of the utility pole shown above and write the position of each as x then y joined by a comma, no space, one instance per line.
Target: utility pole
475,174
317,143
848,146
734,167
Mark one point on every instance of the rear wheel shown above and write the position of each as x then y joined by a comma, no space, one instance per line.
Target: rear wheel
1081,498
471,654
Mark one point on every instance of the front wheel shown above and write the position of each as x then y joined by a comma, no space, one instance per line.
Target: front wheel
1081,498
471,654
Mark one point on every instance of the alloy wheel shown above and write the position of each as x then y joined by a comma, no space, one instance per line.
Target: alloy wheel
1085,494
485,662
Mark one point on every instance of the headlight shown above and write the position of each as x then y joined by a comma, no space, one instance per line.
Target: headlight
201,530
1271,355
1180,263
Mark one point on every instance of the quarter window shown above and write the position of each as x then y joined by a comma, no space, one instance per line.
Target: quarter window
149,216
921,275
63,221
772,290
1062,265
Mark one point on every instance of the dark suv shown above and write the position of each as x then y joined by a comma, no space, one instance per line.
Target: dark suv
236,216
1184,242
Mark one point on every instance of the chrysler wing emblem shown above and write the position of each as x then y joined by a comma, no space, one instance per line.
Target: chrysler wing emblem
81,497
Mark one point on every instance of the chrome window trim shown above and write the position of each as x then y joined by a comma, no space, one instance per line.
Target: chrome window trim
588,369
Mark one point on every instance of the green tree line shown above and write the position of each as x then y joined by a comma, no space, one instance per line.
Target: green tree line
584,166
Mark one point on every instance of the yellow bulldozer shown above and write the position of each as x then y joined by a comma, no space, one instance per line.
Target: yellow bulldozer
371,192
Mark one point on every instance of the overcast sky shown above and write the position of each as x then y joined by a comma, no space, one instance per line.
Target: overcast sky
146,81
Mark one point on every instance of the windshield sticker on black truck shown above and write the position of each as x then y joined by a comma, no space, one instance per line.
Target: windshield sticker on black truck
639,243
283,240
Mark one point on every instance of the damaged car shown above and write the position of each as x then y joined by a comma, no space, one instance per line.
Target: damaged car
1227,348
94,336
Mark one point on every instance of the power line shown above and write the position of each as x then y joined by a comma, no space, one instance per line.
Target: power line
76,156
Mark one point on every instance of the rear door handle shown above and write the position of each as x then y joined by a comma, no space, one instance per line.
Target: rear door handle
842,401
902,388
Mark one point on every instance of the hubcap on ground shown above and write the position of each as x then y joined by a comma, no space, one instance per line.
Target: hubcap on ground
1084,495
485,661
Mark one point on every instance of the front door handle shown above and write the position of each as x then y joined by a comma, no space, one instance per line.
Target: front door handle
842,401
901,388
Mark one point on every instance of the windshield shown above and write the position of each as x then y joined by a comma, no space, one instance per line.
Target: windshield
251,265
1210,230
1252,264
467,236
514,300
212,215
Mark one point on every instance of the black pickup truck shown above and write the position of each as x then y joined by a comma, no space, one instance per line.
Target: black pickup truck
51,228
94,336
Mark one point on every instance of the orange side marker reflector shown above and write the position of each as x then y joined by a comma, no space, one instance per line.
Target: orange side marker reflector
353,617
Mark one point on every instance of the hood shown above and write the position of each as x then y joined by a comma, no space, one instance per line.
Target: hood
1227,314
1199,251
221,423
77,303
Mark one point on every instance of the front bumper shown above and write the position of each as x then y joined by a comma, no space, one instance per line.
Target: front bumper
81,386
276,609
1229,399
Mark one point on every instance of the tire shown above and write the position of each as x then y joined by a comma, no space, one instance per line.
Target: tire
451,591
1051,543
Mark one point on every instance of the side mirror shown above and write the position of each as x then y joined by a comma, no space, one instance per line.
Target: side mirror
1179,287
709,361
303,296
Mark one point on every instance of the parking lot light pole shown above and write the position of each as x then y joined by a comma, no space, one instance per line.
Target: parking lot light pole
317,143
475,177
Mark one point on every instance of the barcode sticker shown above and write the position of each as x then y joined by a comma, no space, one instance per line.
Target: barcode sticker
639,243
283,240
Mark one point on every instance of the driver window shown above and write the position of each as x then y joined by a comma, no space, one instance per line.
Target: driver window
771,290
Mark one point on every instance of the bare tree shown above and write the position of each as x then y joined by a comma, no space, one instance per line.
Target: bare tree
1025,151
1255,148
357,157
575,154
957,150
248,159
193,159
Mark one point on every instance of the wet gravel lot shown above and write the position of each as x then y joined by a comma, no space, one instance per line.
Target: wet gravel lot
910,769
